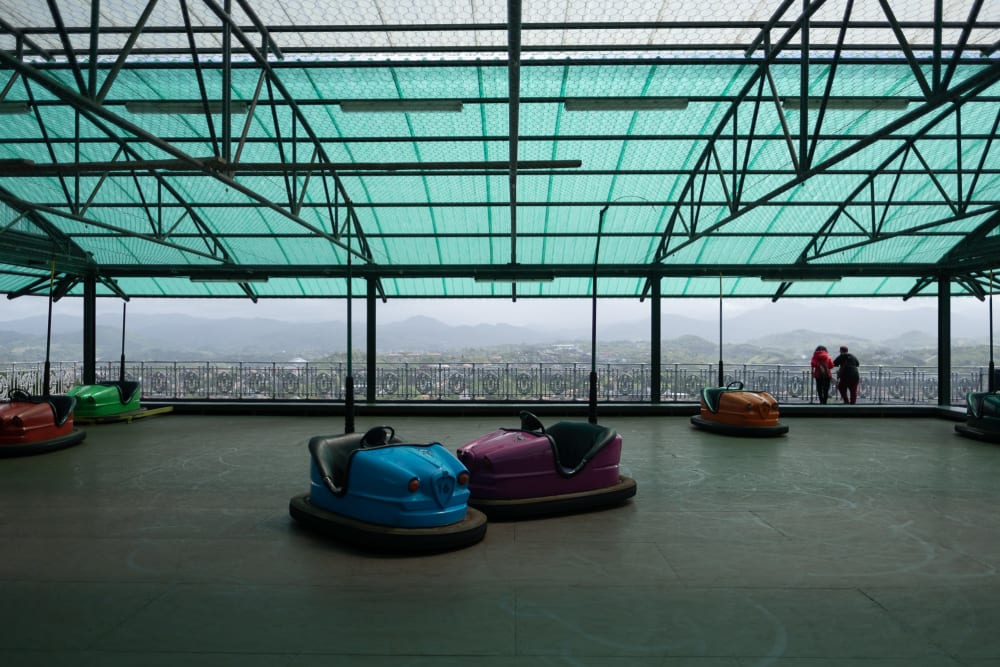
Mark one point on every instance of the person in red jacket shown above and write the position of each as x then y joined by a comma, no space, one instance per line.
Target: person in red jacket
822,369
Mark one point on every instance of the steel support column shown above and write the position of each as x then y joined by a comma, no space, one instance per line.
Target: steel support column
655,336
90,329
370,343
944,339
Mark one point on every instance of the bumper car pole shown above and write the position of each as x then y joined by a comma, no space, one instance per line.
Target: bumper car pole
991,381
349,380
592,393
46,386
722,376
121,367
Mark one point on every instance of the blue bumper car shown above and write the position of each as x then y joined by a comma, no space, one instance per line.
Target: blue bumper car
377,492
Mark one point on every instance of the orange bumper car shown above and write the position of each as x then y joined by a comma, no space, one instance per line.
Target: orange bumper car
733,410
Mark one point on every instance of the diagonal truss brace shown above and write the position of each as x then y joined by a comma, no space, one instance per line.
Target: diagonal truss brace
687,193
273,79
960,210
957,95
21,205
57,239
92,110
690,198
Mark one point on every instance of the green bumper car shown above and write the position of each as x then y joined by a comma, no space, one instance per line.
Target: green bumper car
117,400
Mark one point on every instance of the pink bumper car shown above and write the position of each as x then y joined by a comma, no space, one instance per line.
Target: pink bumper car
535,471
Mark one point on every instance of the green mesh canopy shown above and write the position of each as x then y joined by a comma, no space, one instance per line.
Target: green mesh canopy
499,149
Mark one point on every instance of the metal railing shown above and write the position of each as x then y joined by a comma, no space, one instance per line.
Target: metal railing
486,382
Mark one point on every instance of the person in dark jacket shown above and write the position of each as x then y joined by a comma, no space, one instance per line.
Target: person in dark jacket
848,376
822,369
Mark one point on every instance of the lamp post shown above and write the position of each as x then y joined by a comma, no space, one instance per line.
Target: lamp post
721,374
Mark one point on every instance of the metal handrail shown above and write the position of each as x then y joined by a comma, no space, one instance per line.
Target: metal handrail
486,382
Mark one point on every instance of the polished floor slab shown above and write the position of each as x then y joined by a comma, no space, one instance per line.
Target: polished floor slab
851,541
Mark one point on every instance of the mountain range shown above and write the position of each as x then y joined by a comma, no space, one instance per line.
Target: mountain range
166,337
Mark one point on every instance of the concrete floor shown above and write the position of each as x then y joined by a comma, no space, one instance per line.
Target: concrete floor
851,541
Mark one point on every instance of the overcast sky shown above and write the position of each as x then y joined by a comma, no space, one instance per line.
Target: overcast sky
467,311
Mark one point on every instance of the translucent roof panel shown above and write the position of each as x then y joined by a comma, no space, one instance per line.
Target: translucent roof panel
453,149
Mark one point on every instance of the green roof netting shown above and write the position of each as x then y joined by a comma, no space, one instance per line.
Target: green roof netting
455,149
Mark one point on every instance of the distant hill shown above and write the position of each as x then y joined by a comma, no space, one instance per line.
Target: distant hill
188,338
830,326
774,332
841,324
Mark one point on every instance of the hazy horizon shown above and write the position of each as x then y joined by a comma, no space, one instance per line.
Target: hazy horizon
159,329
538,312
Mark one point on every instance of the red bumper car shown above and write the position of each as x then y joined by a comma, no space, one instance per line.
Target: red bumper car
37,424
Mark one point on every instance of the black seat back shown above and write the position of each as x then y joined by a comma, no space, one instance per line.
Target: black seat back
61,404
62,407
127,389
576,443
332,454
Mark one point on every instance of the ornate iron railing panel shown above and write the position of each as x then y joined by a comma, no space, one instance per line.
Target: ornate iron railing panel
29,376
486,382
